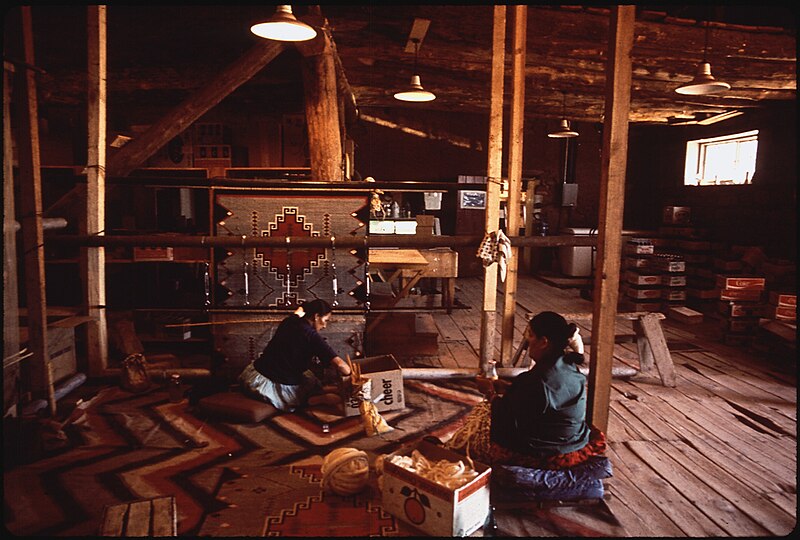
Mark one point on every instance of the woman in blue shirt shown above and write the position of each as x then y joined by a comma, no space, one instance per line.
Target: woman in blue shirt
281,374
539,419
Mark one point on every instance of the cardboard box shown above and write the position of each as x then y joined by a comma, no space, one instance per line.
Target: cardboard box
677,215
741,282
685,315
781,299
665,263
673,280
642,279
641,293
748,295
783,313
674,295
387,384
431,507
638,248
637,262
741,309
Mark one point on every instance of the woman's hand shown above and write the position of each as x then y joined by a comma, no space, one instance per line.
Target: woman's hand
342,366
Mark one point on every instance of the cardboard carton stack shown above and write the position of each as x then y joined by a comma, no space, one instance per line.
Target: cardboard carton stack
782,306
740,304
690,244
641,287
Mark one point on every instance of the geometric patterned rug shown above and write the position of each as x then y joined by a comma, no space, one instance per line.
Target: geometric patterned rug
235,480
297,506
134,446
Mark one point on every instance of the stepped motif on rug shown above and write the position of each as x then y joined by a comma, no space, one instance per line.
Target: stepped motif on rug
298,506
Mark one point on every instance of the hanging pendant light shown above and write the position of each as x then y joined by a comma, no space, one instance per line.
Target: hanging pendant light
564,130
415,92
283,26
703,83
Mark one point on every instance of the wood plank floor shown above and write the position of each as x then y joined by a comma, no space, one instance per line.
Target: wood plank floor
714,456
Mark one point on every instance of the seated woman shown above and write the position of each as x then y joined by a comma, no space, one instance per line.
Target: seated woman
281,374
539,421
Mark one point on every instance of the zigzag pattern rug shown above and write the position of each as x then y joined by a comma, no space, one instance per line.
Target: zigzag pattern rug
134,446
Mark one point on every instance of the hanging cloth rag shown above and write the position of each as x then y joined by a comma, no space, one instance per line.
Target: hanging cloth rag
495,248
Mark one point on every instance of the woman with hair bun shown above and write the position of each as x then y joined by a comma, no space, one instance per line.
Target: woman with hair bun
281,374
539,419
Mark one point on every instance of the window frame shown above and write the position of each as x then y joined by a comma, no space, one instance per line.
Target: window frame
696,153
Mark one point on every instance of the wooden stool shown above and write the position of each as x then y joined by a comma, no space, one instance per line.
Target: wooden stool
146,517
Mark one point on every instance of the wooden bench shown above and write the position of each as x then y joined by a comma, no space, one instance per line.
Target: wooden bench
146,517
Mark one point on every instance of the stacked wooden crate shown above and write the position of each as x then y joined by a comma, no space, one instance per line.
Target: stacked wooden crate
741,304
640,288
782,306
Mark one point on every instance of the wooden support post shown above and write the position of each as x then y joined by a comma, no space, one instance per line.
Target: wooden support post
612,197
515,152
322,115
93,259
30,187
10,283
527,252
494,173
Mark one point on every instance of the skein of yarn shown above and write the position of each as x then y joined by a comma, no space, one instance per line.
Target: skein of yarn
345,471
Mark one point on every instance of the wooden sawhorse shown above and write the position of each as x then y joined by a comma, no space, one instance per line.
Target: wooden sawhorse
654,356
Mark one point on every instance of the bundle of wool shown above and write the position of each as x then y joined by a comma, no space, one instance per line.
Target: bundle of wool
345,471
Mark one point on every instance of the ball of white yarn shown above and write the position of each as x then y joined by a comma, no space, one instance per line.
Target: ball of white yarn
345,471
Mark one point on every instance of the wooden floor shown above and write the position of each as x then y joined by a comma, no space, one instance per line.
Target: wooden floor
714,456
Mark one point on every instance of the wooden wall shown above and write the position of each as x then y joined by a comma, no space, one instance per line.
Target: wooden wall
763,213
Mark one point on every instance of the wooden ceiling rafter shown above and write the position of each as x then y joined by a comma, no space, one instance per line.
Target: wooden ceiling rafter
565,52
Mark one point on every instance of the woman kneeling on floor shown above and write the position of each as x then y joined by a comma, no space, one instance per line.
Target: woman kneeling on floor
281,374
539,419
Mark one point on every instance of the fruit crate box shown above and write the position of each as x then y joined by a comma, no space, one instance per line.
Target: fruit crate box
431,507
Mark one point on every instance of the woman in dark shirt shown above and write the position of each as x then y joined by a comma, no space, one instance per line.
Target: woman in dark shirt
540,418
281,374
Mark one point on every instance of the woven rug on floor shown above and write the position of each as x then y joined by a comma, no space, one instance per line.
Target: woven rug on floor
288,500
132,446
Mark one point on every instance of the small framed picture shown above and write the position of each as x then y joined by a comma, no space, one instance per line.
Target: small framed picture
472,200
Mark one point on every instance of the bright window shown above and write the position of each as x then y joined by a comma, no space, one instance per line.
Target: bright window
719,161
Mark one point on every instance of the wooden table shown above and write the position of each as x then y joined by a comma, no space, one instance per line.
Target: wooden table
396,261
442,264
408,263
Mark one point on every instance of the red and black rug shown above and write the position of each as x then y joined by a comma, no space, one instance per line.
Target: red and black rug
133,446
